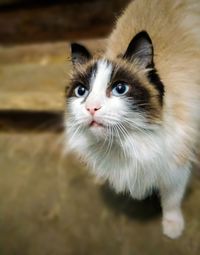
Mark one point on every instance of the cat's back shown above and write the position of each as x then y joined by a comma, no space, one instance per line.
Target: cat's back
173,25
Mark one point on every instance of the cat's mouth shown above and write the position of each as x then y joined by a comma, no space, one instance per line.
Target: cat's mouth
94,123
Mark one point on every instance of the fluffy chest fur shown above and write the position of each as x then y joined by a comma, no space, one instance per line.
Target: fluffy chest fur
137,164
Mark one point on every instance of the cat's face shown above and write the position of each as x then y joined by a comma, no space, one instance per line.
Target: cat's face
114,97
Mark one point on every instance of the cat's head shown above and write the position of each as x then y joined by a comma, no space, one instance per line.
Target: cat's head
115,96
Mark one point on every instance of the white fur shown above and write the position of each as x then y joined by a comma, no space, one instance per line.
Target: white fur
101,79
142,162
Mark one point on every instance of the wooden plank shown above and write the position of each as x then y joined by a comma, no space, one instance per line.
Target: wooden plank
33,77
32,121
65,20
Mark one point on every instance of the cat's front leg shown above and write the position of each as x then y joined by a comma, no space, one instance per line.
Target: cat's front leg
171,196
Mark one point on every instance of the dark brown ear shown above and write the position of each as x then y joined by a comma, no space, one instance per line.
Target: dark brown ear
79,54
140,49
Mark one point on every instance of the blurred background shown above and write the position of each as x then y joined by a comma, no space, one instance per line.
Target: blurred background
49,204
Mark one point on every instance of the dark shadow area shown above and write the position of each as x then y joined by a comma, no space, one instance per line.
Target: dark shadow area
51,21
143,210
34,121
19,4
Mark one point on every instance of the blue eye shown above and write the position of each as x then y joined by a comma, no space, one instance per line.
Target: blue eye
120,89
81,91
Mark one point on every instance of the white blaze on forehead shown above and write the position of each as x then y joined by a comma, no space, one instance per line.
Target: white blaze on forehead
102,77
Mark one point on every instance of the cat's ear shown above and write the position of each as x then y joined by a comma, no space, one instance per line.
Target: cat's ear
79,54
140,49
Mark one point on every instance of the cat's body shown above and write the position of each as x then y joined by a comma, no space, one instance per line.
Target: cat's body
145,137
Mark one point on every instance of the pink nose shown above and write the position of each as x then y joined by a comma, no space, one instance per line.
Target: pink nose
93,109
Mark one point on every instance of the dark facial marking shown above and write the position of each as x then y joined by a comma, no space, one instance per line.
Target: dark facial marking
82,78
137,93
155,80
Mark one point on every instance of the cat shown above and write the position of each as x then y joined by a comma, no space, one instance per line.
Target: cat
133,113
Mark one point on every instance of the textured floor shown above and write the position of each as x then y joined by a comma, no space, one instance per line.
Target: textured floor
49,204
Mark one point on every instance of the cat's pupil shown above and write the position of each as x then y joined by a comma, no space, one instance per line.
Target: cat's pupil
81,91
120,88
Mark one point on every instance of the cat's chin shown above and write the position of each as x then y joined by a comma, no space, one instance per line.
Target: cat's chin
98,130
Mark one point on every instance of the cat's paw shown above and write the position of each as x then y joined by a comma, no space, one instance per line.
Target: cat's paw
173,224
